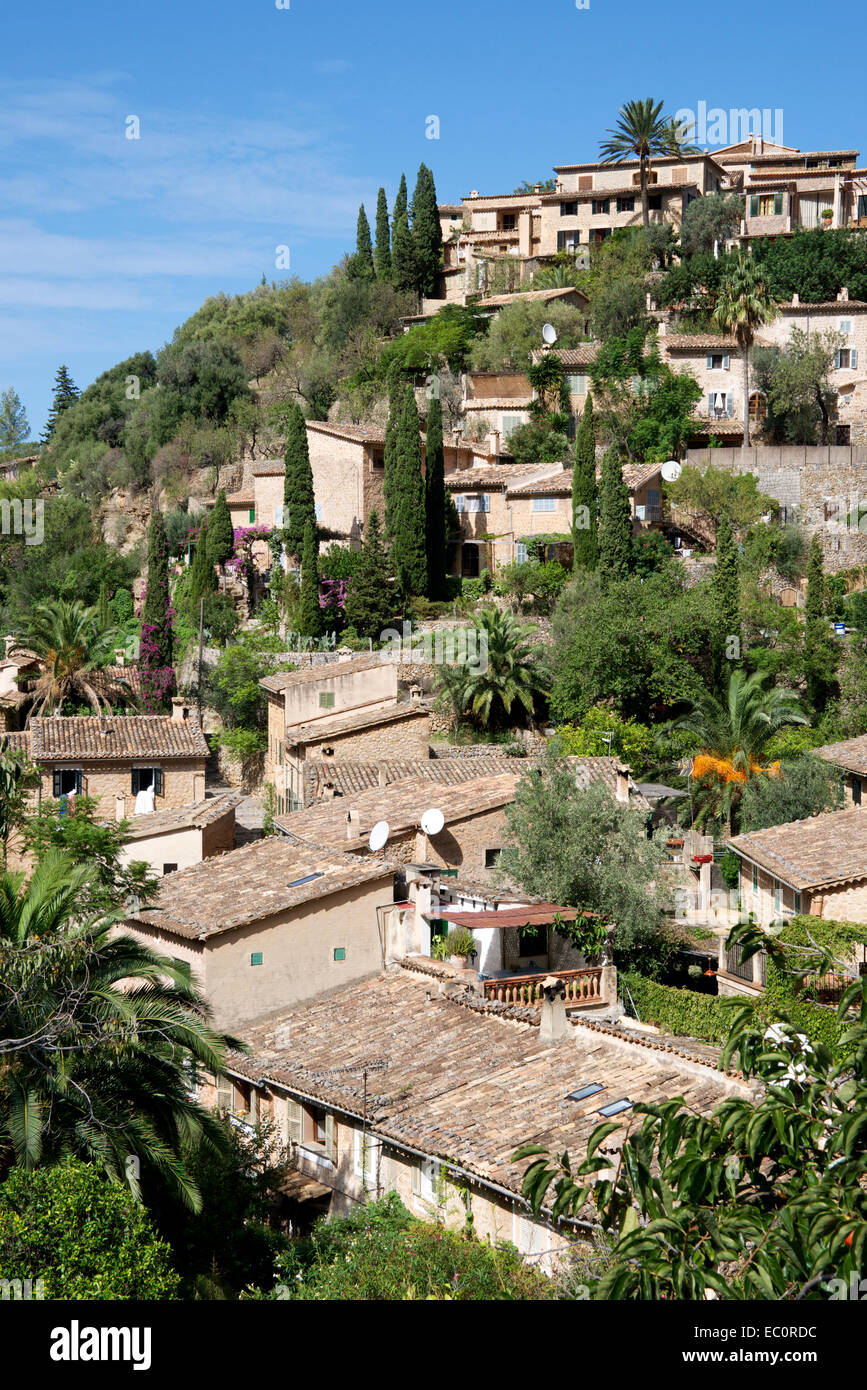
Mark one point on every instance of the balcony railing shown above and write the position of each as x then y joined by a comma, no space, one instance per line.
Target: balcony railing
582,987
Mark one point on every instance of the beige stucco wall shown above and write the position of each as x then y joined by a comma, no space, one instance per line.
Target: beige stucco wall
338,467
371,689
180,847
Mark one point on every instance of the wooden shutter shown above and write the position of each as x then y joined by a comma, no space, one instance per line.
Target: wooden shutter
709,361
415,1179
225,1094
561,241
837,358
294,1121
710,403
727,362
80,782
55,784
853,357
136,780
778,204
330,1138
754,205
158,781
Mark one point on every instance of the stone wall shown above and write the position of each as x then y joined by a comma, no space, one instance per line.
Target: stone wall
183,783
405,739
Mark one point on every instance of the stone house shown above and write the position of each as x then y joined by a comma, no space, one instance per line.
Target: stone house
347,709
19,664
397,1084
271,925
592,200
178,838
113,759
786,189
850,756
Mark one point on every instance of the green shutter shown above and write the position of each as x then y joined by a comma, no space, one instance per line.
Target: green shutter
754,205
252,515
778,204
255,957
340,953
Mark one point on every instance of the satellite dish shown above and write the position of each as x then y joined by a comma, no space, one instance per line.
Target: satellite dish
671,471
378,835
549,333
432,821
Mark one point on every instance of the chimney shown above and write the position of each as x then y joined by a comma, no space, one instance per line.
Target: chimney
415,694
622,784
796,299
382,779
494,443
119,656
474,193
843,296
180,710
9,640
119,806
554,1024
352,824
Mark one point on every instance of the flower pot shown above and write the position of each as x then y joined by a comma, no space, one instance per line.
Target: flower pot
459,962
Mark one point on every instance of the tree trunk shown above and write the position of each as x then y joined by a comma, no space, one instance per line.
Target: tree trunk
825,419
746,350
645,209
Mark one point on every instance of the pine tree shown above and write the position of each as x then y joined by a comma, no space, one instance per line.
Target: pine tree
427,235
299,505
370,598
820,651
615,522
66,393
726,589
382,254
361,264
157,643
408,547
435,503
403,263
203,579
584,499
310,615
221,534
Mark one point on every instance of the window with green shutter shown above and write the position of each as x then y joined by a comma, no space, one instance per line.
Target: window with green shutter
754,205
251,515
255,957
326,699
340,953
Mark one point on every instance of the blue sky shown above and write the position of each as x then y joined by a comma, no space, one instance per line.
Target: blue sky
262,127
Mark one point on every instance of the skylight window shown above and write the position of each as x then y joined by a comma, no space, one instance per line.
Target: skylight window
585,1091
615,1107
308,878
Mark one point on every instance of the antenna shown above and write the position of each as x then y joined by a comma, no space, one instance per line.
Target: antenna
378,835
671,471
549,333
432,821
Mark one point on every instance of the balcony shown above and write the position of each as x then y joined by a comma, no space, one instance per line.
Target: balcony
583,987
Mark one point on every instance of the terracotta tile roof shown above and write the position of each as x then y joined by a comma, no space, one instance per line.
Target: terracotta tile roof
850,754
15,739
580,356
351,720
814,853
535,914
126,675
705,426
197,816
635,475
462,1082
499,301
359,434
401,804
495,477
251,884
117,739
824,306
483,403
659,162
241,499
349,778
326,670
696,342
560,485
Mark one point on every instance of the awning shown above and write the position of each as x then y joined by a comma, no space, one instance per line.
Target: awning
302,1188
537,915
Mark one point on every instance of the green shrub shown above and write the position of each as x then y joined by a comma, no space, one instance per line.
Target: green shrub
679,1011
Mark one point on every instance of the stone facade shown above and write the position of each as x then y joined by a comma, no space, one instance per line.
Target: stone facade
110,784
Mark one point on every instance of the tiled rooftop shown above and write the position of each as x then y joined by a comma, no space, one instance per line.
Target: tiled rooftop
351,720
814,853
850,754
496,477
499,301
268,468
580,356
197,816
462,1080
117,738
359,434
251,884
313,675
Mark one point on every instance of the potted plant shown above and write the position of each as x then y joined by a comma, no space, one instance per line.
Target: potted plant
827,216
459,943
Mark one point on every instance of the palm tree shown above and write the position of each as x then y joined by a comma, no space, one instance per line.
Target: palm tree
733,732
506,673
643,132
74,650
98,1039
744,304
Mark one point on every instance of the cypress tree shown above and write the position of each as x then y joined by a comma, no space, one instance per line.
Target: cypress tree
403,263
221,534
615,522
102,614
299,506
361,264
157,646
435,503
408,499
820,650
726,591
584,537
310,615
370,598
401,202
66,393
396,387
427,236
203,579
382,254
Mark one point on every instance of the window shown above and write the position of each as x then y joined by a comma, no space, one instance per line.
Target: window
520,553
66,781
616,1107
778,895
294,1121
845,359
251,515
481,503
766,205
797,902
508,222
320,1132
584,1091
308,878
424,1180
544,504
600,207
626,204
510,423
169,869
720,405
568,241
576,383
492,858
358,1153
326,699
278,515
856,791
532,941
255,957
318,511
654,202
378,460
755,879
340,953
599,235
718,362
569,209
144,778
225,1094
845,325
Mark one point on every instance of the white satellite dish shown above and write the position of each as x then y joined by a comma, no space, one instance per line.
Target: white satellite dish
549,333
671,471
378,835
432,821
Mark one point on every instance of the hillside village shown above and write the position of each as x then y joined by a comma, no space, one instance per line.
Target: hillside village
432,695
